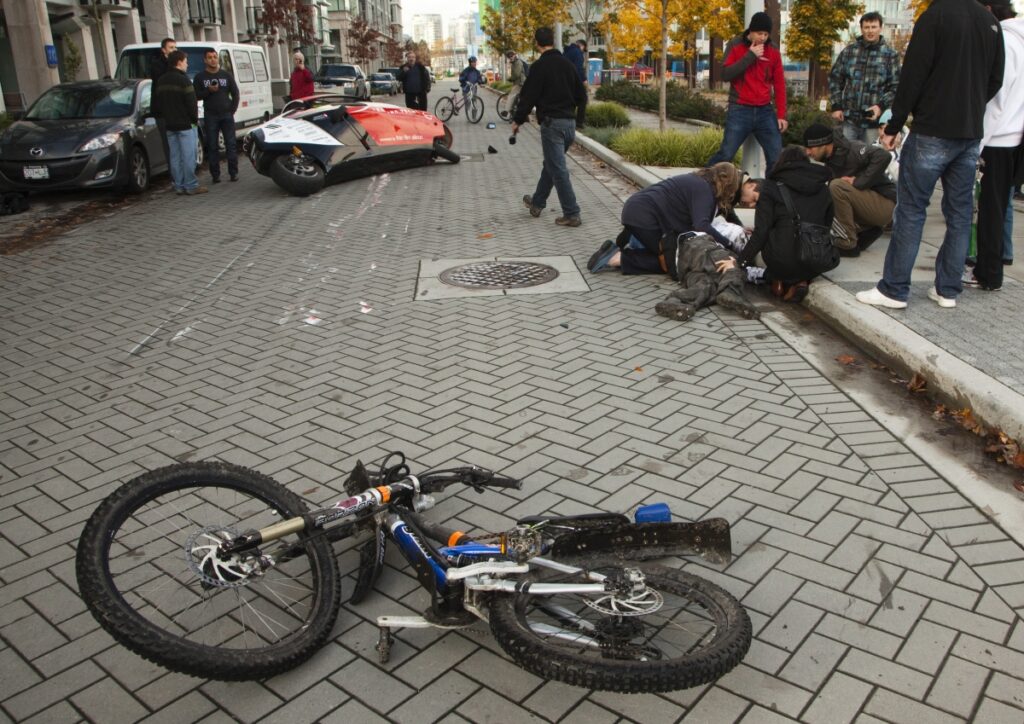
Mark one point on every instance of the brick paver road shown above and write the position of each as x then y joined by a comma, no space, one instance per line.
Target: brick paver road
177,330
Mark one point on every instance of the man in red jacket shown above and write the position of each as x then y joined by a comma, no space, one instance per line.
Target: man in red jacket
753,67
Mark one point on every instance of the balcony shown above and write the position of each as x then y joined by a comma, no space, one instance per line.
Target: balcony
205,12
109,4
254,24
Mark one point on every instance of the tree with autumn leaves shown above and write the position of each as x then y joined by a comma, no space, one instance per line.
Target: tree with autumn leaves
290,21
815,26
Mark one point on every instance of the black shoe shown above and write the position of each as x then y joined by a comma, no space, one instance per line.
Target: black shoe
675,310
596,256
849,253
234,177
868,236
737,303
216,179
1007,262
567,220
534,210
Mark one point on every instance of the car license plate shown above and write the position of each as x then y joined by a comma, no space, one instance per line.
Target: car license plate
36,172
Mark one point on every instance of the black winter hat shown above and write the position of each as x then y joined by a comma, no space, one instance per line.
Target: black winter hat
760,22
817,134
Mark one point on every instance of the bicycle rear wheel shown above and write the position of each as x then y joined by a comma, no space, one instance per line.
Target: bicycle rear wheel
476,109
444,109
504,112
674,631
148,570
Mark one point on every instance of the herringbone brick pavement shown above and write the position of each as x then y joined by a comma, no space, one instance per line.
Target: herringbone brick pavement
177,330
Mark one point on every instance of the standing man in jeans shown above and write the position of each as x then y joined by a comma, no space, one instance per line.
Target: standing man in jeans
217,89
174,100
753,67
863,80
953,67
554,88
416,81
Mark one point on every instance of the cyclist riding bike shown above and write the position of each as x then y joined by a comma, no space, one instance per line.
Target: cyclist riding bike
469,78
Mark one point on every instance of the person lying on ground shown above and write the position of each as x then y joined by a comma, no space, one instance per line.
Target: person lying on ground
708,274
775,236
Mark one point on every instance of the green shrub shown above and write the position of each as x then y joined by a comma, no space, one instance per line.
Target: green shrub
601,115
669,148
604,136
680,103
501,85
801,112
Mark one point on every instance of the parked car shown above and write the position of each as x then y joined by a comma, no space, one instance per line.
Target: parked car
394,72
349,80
383,83
89,134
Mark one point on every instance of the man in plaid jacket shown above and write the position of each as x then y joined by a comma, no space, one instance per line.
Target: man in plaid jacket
863,80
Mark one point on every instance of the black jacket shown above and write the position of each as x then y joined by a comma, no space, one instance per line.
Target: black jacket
157,66
867,164
174,100
953,67
222,102
554,88
775,229
406,70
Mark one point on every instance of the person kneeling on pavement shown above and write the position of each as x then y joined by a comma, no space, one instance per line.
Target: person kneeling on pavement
862,192
775,234
654,217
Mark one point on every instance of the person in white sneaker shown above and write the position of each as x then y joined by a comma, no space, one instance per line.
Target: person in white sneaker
956,52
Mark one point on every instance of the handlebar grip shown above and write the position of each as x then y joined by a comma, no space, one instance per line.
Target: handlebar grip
501,481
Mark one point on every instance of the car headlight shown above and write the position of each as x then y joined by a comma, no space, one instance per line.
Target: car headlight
104,141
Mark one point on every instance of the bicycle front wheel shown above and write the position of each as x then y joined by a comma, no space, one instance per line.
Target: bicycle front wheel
444,109
672,631
149,571
476,109
504,113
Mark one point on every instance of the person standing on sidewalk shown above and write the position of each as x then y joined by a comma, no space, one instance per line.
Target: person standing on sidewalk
158,64
953,67
753,67
517,75
554,88
174,100
416,81
863,80
217,89
300,85
469,78
862,193
1004,129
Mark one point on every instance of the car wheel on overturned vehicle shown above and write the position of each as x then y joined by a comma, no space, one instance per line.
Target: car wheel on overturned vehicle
138,171
298,175
443,147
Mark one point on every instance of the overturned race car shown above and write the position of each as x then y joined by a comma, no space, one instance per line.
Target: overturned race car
323,140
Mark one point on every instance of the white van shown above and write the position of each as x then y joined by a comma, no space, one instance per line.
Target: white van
248,63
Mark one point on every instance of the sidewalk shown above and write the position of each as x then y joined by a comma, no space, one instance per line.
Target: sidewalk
972,356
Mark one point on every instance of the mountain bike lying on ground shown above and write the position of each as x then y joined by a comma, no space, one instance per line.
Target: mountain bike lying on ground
448,106
218,571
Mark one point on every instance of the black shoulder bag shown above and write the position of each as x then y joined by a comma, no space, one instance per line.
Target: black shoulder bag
814,247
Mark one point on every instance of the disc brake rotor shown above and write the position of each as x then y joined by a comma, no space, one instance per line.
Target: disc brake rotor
640,603
202,552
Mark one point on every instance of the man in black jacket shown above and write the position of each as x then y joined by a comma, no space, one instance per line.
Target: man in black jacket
158,64
953,66
554,88
217,89
863,193
174,100
415,80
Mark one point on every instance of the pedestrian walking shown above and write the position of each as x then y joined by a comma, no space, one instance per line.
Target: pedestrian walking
301,81
174,100
217,89
775,234
863,80
753,67
469,78
1000,156
953,67
863,194
415,80
554,88
517,76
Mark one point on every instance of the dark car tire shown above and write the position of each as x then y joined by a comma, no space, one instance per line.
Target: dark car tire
200,151
298,175
443,147
138,171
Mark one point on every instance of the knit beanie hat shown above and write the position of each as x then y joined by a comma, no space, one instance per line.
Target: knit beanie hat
817,134
760,22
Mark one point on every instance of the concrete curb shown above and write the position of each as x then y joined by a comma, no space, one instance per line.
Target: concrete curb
991,402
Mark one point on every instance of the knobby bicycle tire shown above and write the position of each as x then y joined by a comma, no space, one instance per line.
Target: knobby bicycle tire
475,111
162,637
444,109
501,106
614,660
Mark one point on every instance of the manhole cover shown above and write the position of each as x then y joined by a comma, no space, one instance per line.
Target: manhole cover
498,275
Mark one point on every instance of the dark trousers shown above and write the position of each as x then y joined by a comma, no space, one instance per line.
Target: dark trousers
214,126
416,100
640,261
996,183
161,127
700,283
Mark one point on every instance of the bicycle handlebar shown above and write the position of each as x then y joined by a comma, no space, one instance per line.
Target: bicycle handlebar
477,478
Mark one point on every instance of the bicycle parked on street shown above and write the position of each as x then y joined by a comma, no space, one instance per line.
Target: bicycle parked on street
506,110
218,571
449,106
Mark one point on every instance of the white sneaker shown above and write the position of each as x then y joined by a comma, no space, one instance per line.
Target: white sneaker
940,300
877,299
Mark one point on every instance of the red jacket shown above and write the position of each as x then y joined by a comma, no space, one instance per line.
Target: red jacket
301,83
752,79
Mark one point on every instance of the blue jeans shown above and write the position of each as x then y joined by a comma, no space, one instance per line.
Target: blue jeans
183,146
740,122
853,132
1008,230
556,136
923,161
214,126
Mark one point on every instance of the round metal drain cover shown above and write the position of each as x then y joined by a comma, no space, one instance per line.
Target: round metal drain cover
499,275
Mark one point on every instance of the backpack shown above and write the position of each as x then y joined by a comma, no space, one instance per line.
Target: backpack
814,248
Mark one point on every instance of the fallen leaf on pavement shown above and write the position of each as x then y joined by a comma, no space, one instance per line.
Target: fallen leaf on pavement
846,359
917,383
638,369
1019,487
487,235
1018,459
311,490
